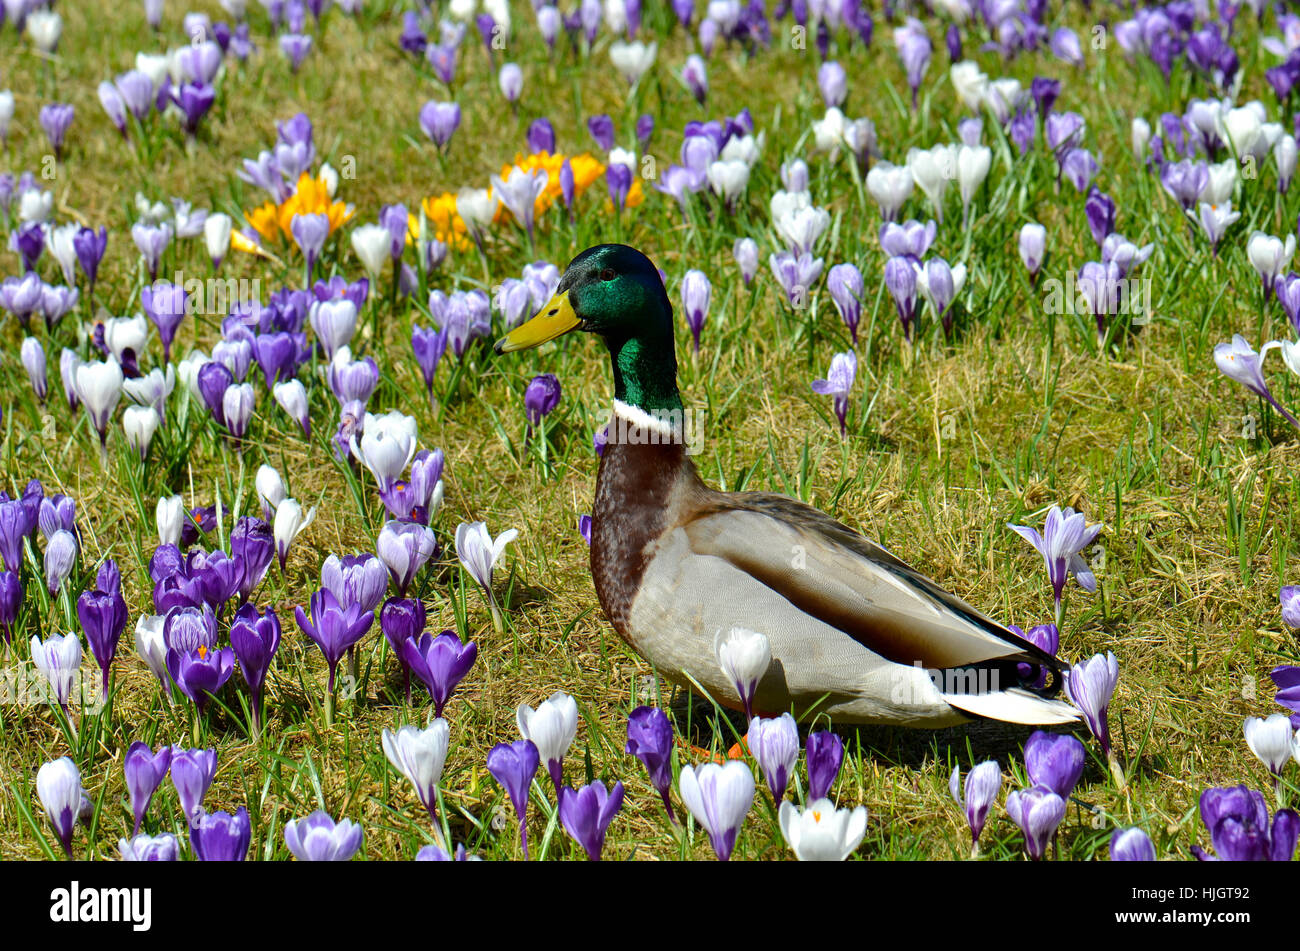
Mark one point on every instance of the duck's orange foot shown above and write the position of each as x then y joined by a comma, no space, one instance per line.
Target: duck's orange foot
737,751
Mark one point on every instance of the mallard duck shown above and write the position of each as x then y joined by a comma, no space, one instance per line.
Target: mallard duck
854,632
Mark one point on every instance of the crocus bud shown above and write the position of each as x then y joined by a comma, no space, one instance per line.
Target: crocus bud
33,358
745,251
774,743
237,408
1033,246
139,424
60,557
216,236
744,657
292,398
99,387
289,523
270,490
58,784
170,516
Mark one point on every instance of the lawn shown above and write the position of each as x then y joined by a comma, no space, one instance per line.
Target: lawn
950,438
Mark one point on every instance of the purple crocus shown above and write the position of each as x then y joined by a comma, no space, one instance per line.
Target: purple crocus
541,136
194,100
429,346
441,662
977,795
1054,761
900,280
838,384
601,128
1037,811
401,620
825,754
55,120
192,773
541,396
309,233
844,281
221,837
1089,686
1131,845
1287,681
914,49
201,673
696,293
1238,361
90,246
587,813
333,627
1240,831
774,744
103,618
252,545
255,638
439,121
166,305
1100,210
29,241
1066,533
144,770
513,765
11,600
295,47
650,739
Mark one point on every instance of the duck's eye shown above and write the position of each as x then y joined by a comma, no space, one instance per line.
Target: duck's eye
607,274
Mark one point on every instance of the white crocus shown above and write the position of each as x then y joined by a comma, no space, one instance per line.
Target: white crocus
890,185
216,236
744,656
270,489
820,832
633,60
476,207
551,728
289,524
1269,256
59,241
972,168
479,553
728,180
1222,183
151,646
828,132
1139,135
1270,740
932,169
45,27
99,386
169,513
420,756
140,423
803,228
372,244
719,797
970,82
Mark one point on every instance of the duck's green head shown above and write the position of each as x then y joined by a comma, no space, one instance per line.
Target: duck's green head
613,291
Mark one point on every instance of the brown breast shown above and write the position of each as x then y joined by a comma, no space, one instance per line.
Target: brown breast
641,492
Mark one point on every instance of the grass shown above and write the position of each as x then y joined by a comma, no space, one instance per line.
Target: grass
947,444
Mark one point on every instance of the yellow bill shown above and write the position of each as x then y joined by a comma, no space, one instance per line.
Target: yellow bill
553,320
